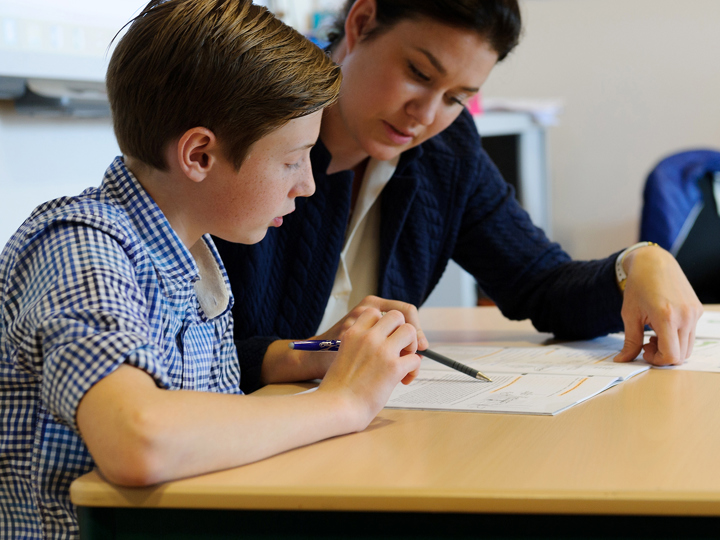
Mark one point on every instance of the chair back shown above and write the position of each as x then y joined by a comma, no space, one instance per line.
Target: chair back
680,213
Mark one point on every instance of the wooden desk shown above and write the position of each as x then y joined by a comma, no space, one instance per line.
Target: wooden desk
645,449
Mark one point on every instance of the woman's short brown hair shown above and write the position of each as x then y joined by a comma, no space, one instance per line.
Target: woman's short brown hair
226,65
497,21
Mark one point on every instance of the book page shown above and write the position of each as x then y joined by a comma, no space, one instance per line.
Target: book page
709,325
705,357
508,393
554,359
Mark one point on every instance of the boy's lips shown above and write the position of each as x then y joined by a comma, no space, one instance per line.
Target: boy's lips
278,221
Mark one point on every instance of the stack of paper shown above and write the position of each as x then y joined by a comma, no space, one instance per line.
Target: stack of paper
537,380
540,380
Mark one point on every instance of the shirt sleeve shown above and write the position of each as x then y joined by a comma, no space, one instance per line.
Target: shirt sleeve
526,274
81,315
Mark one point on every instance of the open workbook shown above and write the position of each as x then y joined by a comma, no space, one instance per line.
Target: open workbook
525,380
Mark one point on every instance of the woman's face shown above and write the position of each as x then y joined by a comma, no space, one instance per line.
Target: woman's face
404,85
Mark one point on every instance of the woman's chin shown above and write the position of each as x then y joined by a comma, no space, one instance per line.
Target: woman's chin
385,152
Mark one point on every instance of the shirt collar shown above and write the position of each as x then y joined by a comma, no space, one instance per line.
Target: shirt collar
176,266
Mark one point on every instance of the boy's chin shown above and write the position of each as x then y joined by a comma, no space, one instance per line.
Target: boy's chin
256,236
247,238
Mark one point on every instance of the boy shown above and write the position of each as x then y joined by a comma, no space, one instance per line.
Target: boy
112,298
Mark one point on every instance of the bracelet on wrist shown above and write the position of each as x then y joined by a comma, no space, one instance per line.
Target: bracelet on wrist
620,274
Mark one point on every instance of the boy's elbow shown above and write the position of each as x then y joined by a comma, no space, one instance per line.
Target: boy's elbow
136,459
132,472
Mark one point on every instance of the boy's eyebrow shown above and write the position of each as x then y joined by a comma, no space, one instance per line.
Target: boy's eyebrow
441,69
303,147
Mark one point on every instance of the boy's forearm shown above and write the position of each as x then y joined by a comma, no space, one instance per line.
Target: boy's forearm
139,434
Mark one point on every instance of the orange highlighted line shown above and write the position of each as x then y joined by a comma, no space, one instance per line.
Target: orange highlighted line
508,384
486,355
574,387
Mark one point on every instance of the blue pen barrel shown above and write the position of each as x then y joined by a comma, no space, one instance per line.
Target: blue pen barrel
316,345
334,345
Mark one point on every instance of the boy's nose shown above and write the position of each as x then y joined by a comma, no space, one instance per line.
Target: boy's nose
306,186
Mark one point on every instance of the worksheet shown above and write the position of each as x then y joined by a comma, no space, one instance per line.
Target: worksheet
709,325
542,380
525,380
705,357
508,392
569,359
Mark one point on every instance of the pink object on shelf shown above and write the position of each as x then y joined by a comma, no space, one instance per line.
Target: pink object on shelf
474,105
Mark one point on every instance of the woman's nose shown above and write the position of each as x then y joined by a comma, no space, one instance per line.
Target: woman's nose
424,108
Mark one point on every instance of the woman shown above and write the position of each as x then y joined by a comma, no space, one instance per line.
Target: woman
403,185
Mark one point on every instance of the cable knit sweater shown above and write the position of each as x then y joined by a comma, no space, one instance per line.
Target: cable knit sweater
446,200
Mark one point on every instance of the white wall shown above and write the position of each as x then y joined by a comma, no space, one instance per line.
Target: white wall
44,158
639,79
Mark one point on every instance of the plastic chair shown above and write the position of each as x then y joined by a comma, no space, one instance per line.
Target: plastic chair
680,213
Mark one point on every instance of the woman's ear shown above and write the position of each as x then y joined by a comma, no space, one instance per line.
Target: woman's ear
360,20
197,151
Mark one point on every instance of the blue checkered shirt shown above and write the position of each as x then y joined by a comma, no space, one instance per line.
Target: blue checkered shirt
86,284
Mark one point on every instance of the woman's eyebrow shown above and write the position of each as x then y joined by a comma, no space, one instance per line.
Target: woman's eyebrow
441,69
434,61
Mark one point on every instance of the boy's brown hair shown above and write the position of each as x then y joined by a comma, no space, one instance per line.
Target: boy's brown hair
226,65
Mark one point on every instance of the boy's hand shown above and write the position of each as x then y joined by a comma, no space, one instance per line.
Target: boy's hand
283,365
408,311
377,352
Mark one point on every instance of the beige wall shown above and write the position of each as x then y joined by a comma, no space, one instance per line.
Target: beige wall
639,79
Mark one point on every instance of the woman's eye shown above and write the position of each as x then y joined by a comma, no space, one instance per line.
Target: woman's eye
419,74
295,165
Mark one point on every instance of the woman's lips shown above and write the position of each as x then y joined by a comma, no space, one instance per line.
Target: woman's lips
397,136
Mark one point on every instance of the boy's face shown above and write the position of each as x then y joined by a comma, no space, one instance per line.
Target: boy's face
276,170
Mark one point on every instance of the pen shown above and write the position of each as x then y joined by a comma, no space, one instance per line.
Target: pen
334,344
316,345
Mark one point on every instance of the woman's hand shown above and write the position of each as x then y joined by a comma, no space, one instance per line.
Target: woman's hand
658,294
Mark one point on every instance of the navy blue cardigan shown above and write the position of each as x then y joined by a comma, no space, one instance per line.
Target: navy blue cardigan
445,200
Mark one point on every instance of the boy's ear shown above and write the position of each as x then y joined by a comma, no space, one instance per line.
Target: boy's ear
360,20
197,152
